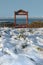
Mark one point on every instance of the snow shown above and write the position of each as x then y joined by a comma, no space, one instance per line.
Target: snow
18,46
39,40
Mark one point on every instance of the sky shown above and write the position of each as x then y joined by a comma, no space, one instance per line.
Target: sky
34,7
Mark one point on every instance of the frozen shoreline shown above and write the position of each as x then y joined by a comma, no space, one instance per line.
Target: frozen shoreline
21,45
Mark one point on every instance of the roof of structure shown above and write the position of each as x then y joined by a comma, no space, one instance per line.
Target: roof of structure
21,12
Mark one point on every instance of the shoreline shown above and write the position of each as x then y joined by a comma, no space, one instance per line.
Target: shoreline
35,24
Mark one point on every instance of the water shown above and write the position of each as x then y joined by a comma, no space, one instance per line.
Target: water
21,21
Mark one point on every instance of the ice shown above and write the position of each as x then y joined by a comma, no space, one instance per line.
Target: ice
39,40
9,52
11,61
18,46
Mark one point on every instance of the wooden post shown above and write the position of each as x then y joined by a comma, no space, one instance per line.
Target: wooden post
14,19
27,19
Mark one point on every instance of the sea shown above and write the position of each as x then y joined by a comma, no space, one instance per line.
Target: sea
21,20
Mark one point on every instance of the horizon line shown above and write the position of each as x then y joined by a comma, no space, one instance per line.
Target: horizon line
21,17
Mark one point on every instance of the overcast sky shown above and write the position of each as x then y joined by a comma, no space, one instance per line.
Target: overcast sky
34,7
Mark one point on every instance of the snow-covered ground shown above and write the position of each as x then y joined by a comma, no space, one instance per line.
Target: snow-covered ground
21,46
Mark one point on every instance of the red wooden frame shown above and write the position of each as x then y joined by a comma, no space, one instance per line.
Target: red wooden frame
21,12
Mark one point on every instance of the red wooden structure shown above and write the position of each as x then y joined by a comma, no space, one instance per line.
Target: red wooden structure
21,12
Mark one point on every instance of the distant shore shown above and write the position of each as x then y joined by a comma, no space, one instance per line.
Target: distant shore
35,24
